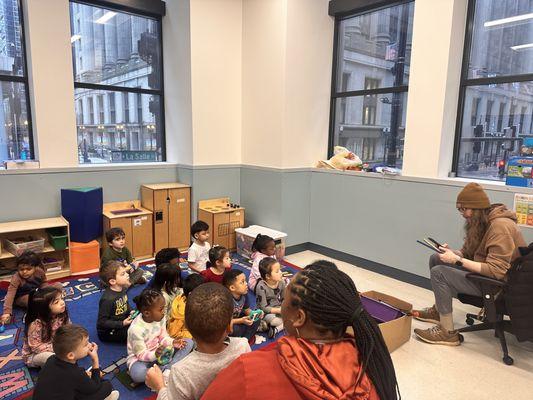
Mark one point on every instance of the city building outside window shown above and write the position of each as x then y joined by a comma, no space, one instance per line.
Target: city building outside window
16,140
498,72
118,74
371,77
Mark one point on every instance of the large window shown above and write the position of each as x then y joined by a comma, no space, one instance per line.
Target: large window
371,77
496,99
16,140
118,85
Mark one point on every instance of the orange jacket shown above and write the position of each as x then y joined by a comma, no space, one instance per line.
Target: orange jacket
294,368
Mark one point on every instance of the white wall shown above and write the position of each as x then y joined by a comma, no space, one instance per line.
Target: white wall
434,86
51,82
216,65
287,57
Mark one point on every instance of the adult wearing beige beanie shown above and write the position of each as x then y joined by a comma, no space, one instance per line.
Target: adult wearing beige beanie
492,238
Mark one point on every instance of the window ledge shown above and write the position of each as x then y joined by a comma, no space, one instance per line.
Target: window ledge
91,168
458,182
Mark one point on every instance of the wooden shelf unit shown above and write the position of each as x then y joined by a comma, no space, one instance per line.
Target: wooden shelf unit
36,227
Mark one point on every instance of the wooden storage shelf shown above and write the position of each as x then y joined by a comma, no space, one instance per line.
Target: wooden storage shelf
34,227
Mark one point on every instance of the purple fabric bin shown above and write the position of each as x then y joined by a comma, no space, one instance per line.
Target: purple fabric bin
381,312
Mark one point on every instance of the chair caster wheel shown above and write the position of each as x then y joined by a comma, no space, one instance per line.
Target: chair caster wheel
508,360
470,321
461,338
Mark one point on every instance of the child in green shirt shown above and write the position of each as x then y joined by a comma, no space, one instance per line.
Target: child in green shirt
117,251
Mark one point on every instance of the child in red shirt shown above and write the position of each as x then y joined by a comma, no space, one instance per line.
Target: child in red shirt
219,261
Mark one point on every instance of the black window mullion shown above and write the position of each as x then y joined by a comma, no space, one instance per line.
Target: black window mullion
364,92
94,86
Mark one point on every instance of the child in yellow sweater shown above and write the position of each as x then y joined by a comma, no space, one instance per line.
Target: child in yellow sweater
176,320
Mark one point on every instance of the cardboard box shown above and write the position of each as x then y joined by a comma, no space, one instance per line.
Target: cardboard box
397,331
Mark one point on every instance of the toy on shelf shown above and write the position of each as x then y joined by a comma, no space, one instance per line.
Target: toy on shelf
343,159
165,356
255,314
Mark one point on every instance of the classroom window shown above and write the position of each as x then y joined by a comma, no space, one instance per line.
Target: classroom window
16,140
498,70
371,77
117,64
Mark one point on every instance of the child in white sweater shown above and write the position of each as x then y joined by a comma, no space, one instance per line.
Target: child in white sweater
148,339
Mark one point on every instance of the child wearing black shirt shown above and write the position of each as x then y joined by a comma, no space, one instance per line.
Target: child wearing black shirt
62,379
114,310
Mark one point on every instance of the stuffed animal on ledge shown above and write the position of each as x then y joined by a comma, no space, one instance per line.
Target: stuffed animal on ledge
343,159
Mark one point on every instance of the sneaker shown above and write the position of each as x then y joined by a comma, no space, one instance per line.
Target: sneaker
429,314
437,335
263,326
272,332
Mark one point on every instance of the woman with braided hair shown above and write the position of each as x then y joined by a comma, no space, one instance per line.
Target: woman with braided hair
317,359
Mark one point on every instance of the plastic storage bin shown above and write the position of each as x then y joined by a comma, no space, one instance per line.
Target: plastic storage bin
17,246
246,237
84,257
58,238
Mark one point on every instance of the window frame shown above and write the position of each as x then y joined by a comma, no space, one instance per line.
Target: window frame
25,80
116,5
467,82
340,13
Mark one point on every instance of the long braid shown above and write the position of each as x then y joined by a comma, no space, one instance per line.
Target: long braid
330,299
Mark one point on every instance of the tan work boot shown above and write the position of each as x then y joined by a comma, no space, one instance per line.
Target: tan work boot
429,314
437,335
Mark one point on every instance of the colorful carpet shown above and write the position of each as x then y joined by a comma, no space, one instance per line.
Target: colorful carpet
82,296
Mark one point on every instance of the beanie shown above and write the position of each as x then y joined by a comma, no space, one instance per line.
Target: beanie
473,196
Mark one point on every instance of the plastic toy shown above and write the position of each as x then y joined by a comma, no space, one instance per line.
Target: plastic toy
134,314
255,314
2,328
166,355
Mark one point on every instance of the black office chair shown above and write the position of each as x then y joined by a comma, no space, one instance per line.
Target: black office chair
493,310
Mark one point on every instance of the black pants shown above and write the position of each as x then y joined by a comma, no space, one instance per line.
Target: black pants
114,335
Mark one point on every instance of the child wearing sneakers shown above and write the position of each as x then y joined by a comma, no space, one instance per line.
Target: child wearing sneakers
117,251
114,309
242,324
62,378
208,315
269,293
198,253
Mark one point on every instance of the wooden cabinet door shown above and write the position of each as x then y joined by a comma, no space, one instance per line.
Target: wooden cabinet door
179,218
236,220
221,229
160,219
142,236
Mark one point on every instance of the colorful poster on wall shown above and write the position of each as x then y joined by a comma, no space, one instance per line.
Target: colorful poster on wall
523,207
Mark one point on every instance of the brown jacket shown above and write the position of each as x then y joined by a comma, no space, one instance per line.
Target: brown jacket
499,246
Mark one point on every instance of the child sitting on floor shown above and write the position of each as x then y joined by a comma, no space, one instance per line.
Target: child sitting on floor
219,262
47,311
242,324
114,309
208,315
62,378
198,253
263,246
269,293
176,322
117,251
30,275
167,280
148,338
170,255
